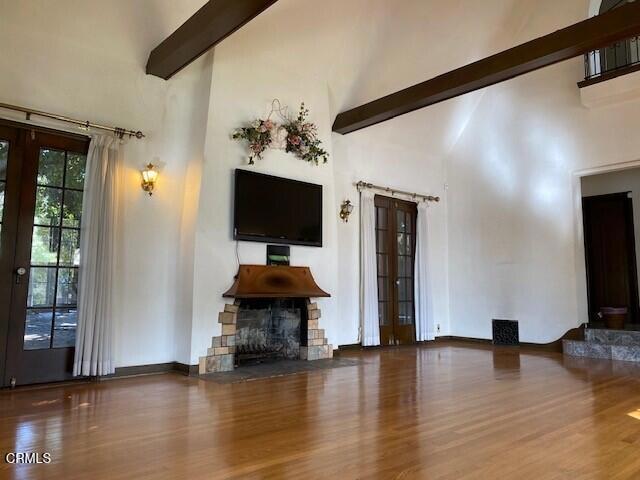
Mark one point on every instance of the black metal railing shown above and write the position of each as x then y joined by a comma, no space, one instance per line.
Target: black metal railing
615,58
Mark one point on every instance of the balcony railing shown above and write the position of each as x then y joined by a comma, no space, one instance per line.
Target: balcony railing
614,59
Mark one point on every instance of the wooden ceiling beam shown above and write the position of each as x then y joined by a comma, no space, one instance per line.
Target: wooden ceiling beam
214,22
578,39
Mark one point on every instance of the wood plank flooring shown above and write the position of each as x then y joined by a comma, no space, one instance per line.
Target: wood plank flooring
444,411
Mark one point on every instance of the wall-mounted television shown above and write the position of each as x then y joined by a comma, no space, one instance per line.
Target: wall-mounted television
277,210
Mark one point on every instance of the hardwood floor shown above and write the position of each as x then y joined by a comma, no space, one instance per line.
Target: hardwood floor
446,411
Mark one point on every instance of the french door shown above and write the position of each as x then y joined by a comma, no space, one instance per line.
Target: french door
41,186
395,254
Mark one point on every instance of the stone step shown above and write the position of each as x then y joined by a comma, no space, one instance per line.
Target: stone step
580,348
625,353
613,337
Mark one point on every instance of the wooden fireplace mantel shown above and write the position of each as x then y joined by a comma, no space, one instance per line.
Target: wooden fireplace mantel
271,281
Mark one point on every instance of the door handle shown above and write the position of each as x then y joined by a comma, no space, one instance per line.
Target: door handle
20,272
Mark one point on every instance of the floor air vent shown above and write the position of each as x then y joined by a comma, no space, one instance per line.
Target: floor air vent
505,332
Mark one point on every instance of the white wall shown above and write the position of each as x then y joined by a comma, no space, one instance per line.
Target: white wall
215,250
176,255
515,238
333,55
505,241
627,180
86,59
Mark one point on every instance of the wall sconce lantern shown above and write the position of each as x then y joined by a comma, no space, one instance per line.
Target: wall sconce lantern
149,177
345,210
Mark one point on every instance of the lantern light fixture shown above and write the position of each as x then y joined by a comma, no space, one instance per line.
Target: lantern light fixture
149,178
345,210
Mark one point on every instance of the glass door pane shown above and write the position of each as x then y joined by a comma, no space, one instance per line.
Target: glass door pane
51,316
405,267
4,154
382,254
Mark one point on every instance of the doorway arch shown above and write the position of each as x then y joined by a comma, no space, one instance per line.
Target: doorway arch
596,7
623,54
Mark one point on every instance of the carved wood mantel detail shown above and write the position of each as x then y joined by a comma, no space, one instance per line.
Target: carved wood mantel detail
274,281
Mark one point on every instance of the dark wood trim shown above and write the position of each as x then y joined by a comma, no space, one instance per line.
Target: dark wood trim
570,42
358,346
555,346
123,372
153,369
38,129
183,368
454,338
42,386
15,137
619,72
135,370
214,22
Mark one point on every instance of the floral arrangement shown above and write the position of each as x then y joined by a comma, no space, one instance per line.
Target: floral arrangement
297,135
259,137
302,139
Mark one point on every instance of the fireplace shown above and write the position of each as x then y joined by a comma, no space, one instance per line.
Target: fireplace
269,329
272,316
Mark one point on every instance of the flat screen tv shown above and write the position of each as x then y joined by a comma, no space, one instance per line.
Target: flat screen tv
277,210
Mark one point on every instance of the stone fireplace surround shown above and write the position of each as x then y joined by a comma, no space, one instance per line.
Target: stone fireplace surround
268,282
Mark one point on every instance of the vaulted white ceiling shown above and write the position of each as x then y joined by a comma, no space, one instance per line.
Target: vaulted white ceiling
365,49
361,49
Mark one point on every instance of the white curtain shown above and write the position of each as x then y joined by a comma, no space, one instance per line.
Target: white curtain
425,328
94,339
368,271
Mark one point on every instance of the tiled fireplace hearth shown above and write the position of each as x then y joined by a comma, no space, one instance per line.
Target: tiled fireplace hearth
272,315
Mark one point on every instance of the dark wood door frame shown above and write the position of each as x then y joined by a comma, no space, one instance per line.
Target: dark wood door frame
15,137
35,366
630,254
393,332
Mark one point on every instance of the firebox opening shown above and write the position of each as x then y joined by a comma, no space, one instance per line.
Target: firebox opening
270,329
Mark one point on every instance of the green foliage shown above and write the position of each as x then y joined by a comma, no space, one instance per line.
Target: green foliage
42,252
302,139
76,169
55,172
51,174
258,135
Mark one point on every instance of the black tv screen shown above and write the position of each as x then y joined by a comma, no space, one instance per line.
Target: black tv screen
279,210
